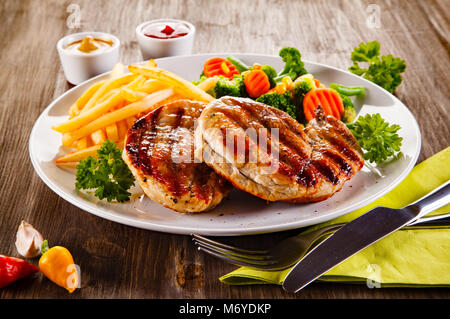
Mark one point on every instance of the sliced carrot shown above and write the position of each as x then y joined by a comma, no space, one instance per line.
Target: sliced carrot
327,103
219,66
339,103
329,99
256,83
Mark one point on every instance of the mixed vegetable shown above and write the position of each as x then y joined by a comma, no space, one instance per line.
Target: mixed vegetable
292,90
55,263
295,91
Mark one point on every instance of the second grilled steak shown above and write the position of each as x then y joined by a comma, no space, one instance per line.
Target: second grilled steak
159,150
265,152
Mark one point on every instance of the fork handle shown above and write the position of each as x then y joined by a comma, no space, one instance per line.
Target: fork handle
435,199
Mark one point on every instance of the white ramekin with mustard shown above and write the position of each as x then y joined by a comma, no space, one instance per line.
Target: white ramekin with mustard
87,54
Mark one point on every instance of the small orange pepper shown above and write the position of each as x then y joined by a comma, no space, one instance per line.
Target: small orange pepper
57,265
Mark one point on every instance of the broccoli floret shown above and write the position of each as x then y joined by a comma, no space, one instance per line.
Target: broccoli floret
280,101
349,114
271,74
235,87
294,66
301,86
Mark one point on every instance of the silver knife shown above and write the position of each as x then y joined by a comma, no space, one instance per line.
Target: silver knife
358,234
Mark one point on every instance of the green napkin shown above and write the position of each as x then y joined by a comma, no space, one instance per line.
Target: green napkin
419,257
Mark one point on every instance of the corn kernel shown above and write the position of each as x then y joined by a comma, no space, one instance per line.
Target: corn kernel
225,68
287,81
280,88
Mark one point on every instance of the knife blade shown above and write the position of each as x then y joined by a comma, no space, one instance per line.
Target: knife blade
359,234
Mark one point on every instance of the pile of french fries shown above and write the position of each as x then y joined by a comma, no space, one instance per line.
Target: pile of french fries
110,107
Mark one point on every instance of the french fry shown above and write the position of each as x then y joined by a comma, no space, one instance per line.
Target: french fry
151,63
180,85
151,86
88,116
66,141
98,137
148,103
82,143
117,71
106,87
68,165
122,128
138,81
107,95
112,133
130,95
82,154
73,110
86,96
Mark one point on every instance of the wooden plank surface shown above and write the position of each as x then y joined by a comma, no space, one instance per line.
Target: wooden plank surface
118,261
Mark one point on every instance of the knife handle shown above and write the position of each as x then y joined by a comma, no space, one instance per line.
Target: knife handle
435,199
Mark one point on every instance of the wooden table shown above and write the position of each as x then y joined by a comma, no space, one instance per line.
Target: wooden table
119,261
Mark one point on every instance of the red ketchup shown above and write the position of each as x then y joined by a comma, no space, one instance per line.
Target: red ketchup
168,30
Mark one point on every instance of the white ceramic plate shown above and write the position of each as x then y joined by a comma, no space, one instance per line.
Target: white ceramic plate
240,213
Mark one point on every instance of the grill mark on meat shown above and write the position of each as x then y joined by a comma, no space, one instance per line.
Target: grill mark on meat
202,189
265,114
307,176
153,141
290,155
343,148
294,162
144,160
318,159
295,155
325,170
173,177
138,133
343,165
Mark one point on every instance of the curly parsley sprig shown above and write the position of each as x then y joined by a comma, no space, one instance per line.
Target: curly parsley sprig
107,173
382,70
379,139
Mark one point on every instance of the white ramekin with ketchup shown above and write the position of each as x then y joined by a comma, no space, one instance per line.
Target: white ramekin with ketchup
165,37
86,54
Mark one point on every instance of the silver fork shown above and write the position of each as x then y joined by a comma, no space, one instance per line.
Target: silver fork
290,250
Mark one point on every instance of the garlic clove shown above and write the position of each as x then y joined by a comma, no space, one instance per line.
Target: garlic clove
28,240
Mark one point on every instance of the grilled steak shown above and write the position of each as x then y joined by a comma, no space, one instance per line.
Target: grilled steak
273,156
159,150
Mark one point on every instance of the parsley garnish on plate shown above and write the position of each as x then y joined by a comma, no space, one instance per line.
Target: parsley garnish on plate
382,70
108,174
379,139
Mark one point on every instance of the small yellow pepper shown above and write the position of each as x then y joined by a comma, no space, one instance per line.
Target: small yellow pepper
57,265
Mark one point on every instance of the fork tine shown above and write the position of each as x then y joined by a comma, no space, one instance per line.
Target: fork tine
237,260
232,252
231,248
